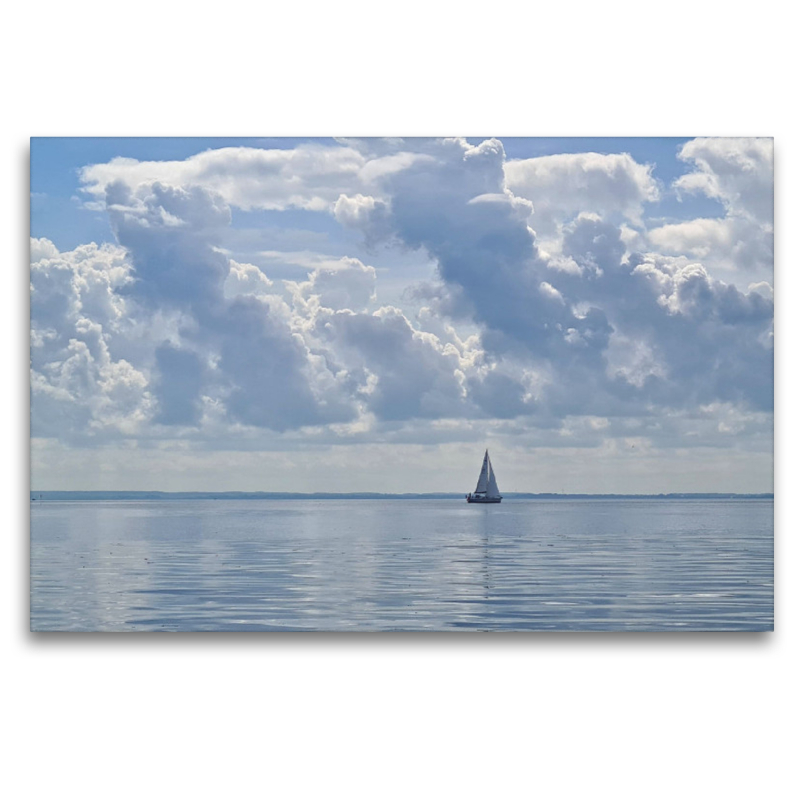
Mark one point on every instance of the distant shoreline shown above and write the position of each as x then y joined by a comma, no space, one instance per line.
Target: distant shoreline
45,496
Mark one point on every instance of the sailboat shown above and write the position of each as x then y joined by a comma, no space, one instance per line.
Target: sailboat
486,491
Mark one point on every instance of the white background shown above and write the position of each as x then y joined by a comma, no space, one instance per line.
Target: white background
396,715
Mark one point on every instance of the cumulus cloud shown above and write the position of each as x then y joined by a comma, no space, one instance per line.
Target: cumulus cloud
309,176
79,385
402,373
343,284
714,339
593,336
235,353
739,174
562,186
254,365
246,279
696,339
367,214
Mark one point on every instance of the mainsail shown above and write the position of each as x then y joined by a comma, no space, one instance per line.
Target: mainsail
492,490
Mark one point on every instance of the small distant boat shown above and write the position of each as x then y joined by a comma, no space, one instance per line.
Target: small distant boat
486,491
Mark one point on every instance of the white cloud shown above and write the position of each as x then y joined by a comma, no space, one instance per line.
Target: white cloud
41,249
345,284
365,213
696,337
548,290
80,387
166,336
412,374
739,174
562,186
309,176
737,247
246,279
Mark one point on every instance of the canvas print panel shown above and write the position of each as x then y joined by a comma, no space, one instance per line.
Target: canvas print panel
401,384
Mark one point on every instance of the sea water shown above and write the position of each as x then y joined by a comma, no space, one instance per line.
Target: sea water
402,565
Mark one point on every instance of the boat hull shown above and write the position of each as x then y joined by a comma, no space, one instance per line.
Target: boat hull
471,499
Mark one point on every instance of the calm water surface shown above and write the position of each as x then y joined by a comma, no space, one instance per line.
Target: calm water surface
412,565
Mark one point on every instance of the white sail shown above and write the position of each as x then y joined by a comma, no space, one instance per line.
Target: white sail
486,491
483,478
492,490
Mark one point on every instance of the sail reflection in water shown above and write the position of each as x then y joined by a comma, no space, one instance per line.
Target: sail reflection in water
413,565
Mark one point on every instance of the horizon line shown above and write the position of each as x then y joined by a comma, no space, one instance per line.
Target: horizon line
245,494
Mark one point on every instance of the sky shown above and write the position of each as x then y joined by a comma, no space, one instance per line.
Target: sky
370,314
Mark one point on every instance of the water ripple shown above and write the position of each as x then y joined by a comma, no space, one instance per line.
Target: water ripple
402,565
